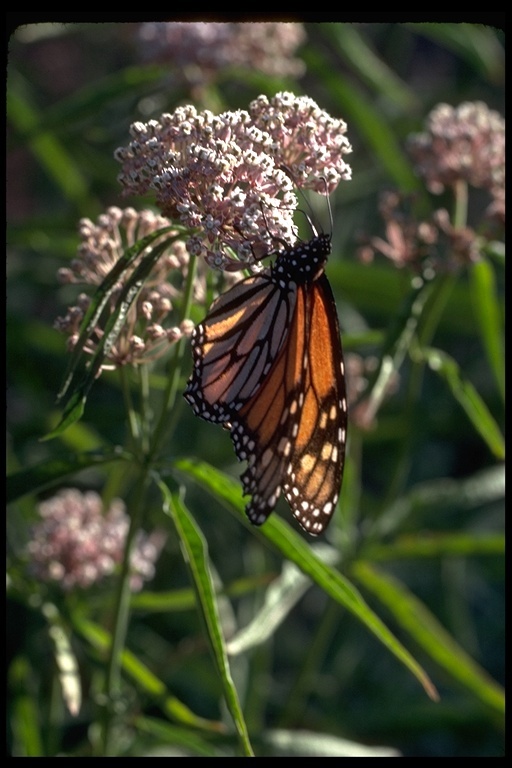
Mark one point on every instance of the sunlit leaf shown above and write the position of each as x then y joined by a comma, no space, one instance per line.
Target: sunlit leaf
295,549
196,554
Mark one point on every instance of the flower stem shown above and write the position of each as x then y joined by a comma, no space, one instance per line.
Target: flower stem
460,212
121,614
168,415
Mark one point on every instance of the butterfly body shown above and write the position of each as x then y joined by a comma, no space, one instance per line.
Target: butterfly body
303,264
268,366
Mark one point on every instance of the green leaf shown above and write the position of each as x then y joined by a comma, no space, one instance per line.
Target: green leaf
487,309
287,743
65,659
53,471
46,147
360,56
74,408
467,397
280,597
484,487
26,711
399,338
295,549
100,639
414,617
92,98
185,599
73,412
196,553
101,296
476,43
381,289
364,118
428,544
166,734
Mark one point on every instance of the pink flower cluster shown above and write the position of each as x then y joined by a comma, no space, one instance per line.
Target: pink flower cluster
462,146
201,49
76,544
461,143
418,244
149,327
230,177
408,241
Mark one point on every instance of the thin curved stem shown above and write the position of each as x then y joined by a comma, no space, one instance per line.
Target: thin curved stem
168,418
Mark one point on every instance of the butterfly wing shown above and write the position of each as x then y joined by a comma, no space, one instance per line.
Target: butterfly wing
292,432
236,344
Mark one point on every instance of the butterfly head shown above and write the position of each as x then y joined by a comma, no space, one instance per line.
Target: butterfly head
305,262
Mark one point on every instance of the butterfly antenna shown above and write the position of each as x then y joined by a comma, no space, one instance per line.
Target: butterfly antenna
328,203
311,209
309,216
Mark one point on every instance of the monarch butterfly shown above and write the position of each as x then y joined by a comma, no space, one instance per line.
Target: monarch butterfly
268,366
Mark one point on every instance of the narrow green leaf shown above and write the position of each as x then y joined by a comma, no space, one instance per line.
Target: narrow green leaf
26,711
185,599
399,338
380,289
131,288
73,412
428,544
196,553
100,639
363,117
46,147
65,659
92,98
434,308
414,617
295,549
48,473
484,487
168,735
105,290
476,43
280,597
164,602
287,743
490,323
467,396
356,50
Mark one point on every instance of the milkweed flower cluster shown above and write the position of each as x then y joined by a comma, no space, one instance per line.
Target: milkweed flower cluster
461,143
148,329
230,177
408,241
77,544
201,49
433,244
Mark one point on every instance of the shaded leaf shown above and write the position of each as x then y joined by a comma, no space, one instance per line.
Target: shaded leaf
100,639
489,318
467,397
413,616
51,472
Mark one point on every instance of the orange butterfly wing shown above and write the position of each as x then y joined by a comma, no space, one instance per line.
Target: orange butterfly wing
235,346
268,365
293,431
